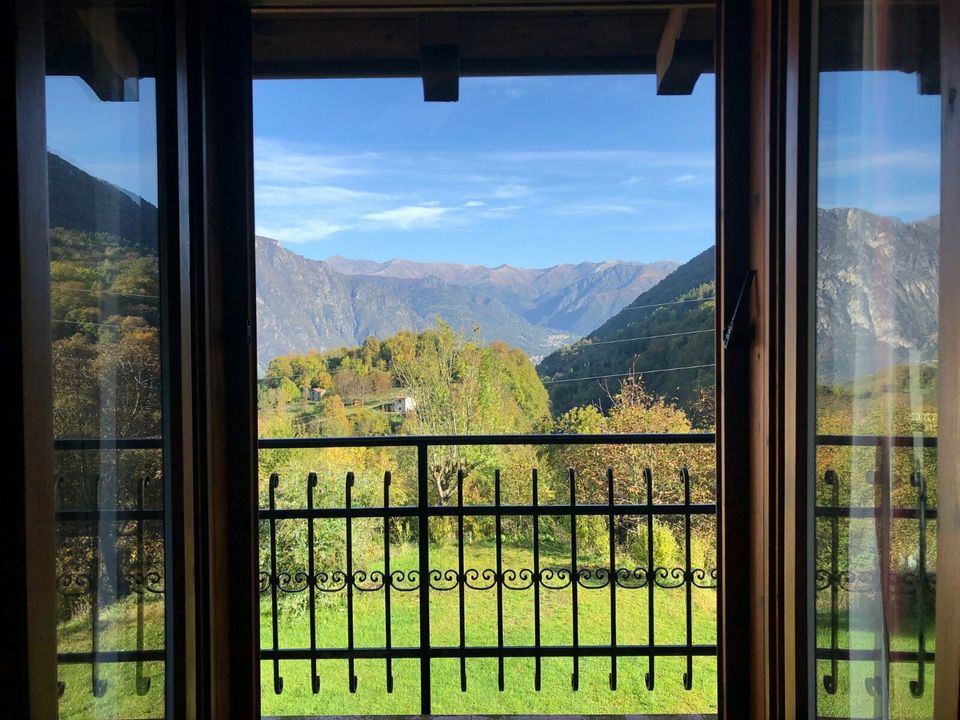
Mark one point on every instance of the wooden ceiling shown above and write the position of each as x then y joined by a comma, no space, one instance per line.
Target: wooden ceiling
443,40
675,42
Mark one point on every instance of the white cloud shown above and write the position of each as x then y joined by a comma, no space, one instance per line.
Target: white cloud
639,158
511,190
408,216
307,231
280,163
690,179
846,160
474,204
307,195
587,209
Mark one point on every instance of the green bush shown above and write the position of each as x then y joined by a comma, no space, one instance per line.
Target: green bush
666,550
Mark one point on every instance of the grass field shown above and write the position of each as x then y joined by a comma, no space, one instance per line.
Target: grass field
482,696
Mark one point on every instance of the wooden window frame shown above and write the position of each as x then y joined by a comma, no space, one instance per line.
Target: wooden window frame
765,144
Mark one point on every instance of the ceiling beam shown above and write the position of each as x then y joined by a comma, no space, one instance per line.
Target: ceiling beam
681,56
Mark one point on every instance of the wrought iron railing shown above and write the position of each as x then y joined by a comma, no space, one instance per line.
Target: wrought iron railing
87,578
144,577
610,577
882,583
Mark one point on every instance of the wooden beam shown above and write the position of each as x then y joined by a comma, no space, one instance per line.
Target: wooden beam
114,74
440,70
681,59
28,653
440,57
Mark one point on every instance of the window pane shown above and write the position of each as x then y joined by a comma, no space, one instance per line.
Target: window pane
877,240
105,284
469,269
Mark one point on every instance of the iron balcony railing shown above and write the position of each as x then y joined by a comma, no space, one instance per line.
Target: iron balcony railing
881,583
145,576
536,579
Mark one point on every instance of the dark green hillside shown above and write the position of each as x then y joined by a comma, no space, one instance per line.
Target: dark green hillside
83,203
610,350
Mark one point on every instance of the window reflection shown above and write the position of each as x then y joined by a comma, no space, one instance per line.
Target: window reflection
876,359
105,284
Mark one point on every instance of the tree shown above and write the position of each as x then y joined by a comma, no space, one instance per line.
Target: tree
335,420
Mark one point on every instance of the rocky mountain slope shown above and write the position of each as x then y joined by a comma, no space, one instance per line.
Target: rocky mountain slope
304,304
865,321
870,320
570,298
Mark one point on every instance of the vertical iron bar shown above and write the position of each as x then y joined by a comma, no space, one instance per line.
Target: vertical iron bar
423,540
499,541
350,582
612,579
387,579
142,683
651,575
312,584
274,583
916,686
830,681
688,578
462,580
57,506
575,677
878,686
98,685
536,581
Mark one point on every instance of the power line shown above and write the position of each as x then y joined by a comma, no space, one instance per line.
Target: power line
637,339
79,322
663,304
629,374
107,292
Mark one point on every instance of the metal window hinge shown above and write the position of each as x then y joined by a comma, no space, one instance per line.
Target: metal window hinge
747,280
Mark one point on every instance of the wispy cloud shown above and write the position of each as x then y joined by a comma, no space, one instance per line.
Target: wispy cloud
588,209
408,216
280,163
511,190
304,231
638,158
690,179
312,195
841,161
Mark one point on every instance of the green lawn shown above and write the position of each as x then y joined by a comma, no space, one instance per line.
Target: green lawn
482,695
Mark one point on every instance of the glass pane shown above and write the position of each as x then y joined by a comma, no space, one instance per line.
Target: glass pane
470,269
877,239
105,284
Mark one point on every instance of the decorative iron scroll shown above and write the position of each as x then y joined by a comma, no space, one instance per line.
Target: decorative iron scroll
488,579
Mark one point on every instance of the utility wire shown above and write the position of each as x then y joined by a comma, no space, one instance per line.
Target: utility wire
106,292
663,304
584,345
87,322
629,374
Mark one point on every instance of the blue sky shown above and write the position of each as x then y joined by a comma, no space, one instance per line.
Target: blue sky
526,171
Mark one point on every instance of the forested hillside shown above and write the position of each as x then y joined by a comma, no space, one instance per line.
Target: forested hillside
668,326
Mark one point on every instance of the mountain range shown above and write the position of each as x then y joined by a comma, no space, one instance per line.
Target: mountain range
865,322
304,304
584,318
